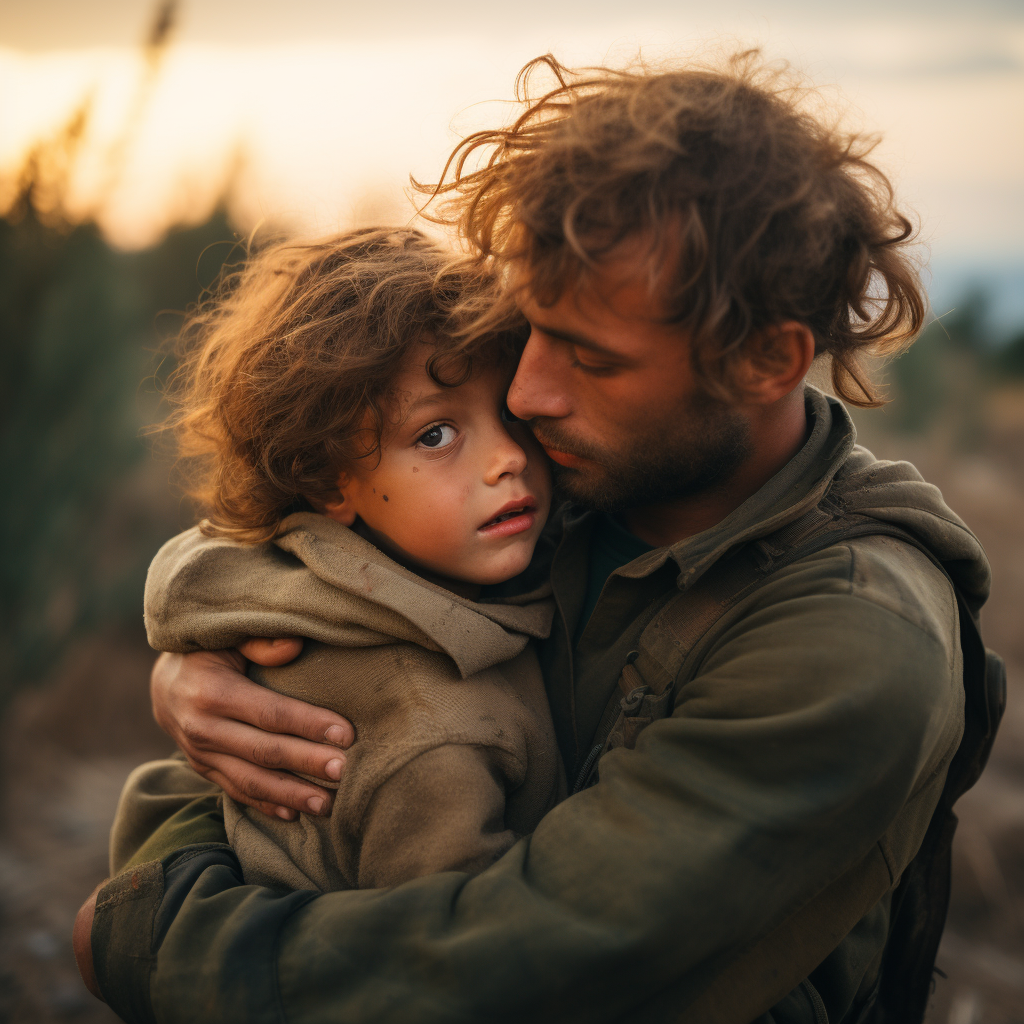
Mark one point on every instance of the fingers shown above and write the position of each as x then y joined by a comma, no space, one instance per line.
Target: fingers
209,736
231,695
221,780
209,684
245,738
178,682
271,653
277,794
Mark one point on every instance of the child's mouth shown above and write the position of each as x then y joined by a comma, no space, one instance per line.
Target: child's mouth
513,518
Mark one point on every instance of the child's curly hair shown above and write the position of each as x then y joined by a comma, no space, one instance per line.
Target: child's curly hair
287,370
754,212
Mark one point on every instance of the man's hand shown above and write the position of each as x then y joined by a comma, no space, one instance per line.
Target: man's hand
245,738
81,940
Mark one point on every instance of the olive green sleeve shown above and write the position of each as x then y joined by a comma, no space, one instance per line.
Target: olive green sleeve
167,813
133,912
164,806
199,821
810,727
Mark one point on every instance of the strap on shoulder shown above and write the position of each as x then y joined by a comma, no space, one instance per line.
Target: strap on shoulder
672,645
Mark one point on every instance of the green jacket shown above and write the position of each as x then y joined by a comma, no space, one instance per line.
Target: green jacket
812,743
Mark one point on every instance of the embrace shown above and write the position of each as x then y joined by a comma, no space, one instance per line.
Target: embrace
549,650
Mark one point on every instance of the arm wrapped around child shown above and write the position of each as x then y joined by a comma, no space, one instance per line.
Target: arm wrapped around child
455,755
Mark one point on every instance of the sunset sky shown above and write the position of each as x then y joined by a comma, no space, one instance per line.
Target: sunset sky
317,112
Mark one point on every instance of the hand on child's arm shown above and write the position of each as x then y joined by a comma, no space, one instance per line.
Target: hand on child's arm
246,738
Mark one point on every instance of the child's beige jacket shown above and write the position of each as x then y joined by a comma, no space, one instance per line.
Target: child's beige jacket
455,753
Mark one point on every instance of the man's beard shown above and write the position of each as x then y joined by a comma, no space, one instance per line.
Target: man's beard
657,463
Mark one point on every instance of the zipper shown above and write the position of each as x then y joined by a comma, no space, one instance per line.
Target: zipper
585,772
817,1003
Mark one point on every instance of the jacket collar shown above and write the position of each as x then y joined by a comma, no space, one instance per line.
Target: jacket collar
796,488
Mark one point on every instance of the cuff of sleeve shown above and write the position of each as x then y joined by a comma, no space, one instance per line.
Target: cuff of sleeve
133,913
122,940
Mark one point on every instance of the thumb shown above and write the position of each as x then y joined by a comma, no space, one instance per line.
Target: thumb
271,653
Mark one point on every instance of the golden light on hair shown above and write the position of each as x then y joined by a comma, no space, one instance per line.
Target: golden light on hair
751,211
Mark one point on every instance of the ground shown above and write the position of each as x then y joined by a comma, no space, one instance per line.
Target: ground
69,744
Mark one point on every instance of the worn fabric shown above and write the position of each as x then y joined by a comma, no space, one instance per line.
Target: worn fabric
806,753
454,757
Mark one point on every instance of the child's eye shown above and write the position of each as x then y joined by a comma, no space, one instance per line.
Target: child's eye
438,437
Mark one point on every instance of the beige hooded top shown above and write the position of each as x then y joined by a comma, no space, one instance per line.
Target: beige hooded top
455,753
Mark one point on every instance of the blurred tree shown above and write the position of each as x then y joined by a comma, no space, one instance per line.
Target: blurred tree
1009,361
78,336
80,339
80,342
941,381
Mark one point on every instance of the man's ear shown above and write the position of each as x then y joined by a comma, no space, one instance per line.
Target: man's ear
775,360
342,509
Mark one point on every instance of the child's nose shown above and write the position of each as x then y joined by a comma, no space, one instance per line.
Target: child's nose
508,459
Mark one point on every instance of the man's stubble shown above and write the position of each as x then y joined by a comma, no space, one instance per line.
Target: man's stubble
656,463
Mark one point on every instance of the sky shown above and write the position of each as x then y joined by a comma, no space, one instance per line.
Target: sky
317,112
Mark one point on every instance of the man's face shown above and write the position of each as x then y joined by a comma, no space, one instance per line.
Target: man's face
610,393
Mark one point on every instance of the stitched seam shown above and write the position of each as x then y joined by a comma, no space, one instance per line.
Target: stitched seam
204,849
888,863
942,766
147,890
854,592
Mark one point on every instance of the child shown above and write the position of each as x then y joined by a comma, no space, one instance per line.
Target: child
365,489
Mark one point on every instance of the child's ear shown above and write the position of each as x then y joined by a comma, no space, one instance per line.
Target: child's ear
775,360
341,509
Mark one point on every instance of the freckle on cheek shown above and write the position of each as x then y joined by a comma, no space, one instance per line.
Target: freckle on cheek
385,497
415,469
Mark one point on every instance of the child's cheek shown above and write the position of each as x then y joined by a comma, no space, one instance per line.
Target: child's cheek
451,513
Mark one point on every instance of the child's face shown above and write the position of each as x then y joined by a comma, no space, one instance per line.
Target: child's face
451,468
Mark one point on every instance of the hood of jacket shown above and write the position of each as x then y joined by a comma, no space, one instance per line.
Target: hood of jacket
320,580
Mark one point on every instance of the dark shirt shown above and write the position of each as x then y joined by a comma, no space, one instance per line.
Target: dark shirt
611,547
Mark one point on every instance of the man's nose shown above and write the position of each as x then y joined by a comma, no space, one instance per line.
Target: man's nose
538,388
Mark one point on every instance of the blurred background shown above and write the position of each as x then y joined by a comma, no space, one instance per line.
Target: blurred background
141,144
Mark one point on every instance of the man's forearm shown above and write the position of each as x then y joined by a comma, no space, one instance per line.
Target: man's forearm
444,948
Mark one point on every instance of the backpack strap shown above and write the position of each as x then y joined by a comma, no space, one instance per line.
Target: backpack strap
670,647
669,653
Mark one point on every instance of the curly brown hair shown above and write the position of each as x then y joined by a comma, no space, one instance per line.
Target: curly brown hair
287,370
753,211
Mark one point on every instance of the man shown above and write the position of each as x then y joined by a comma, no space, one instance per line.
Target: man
684,245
